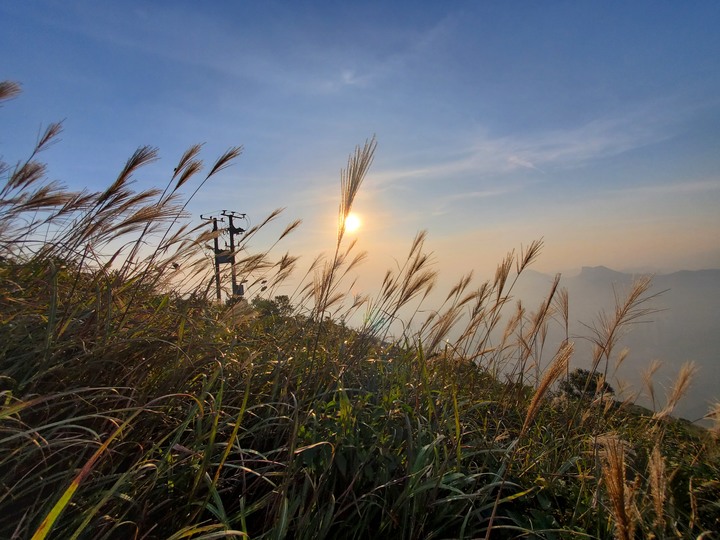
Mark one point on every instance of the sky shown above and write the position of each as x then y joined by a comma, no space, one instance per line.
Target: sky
592,125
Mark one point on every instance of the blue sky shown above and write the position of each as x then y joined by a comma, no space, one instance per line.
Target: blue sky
595,125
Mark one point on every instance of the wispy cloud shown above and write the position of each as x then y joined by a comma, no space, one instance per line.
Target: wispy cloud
282,58
386,64
350,78
335,81
541,152
594,140
524,163
679,188
443,205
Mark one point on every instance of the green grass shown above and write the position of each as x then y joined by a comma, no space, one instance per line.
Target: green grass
133,406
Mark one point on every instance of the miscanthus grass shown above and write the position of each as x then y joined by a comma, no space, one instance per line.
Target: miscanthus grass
132,405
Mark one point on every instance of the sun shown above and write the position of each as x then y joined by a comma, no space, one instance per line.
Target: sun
352,223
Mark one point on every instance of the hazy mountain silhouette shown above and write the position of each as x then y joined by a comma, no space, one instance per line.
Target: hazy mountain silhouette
686,327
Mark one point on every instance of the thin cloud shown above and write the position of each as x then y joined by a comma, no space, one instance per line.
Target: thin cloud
672,189
543,152
595,140
351,78
444,204
347,78
246,57
521,162
484,194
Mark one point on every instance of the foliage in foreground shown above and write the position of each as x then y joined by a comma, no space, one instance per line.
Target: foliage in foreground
135,407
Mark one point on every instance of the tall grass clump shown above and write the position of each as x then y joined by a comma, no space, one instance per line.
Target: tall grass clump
133,405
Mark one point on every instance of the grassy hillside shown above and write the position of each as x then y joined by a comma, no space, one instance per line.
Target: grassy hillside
133,406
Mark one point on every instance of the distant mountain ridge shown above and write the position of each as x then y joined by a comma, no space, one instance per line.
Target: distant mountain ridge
602,273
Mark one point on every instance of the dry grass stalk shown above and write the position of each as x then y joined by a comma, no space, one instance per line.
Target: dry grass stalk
562,307
534,338
225,160
528,255
440,328
513,323
9,89
609,328
647,378
25,175
290,228
141,156
621,357
502,273
658,485
187,166
714,415
446,318
351,179
476,331
460,287
552,373
631,310
487,312
413,279
621,494
189,170
682,383
49,136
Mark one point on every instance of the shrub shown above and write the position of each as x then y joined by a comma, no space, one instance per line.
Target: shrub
582,384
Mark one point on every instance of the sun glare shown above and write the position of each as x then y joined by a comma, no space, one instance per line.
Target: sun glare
352,223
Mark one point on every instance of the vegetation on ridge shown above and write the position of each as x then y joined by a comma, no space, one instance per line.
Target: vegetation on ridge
133,406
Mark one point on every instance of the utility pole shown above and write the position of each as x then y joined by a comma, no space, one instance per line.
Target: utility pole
237,290
216,251
224,256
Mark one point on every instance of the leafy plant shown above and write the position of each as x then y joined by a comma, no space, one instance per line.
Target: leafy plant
582,384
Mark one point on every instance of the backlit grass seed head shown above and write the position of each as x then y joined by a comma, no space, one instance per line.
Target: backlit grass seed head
621,357
351,179
714,415
9,89
620,493
658,485
529,255
647,378
552,373
682,383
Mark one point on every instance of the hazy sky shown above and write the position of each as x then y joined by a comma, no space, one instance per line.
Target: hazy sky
595,125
